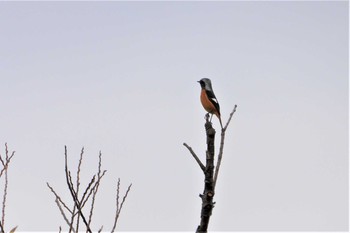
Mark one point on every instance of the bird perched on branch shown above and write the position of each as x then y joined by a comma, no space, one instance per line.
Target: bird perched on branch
208,99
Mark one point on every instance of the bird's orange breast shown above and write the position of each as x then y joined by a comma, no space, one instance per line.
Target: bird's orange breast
207,104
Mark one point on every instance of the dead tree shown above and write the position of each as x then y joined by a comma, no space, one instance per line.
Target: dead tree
74,215
210,175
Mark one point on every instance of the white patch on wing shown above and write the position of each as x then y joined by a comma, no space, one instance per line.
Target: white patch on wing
215,100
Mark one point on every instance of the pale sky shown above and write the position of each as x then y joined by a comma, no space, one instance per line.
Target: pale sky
120,77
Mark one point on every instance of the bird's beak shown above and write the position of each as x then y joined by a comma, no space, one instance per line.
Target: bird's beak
198,81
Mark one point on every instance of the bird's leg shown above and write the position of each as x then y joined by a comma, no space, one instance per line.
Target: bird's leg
211,117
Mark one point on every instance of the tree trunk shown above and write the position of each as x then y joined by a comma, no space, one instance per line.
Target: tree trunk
208,193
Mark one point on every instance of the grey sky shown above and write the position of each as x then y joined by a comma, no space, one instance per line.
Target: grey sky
120,77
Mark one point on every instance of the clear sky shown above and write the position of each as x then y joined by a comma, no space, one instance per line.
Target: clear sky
120,77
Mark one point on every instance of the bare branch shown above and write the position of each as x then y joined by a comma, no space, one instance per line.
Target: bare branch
195,157
79,168
5,187
78,185
58,198
5,162
6,151
78,205
62,213
229,119
97,185
119,207
4,200
70,183
88,188
7,159
73,193
221,150
124,198
91,190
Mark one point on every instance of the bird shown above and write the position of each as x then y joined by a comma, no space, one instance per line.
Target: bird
208,99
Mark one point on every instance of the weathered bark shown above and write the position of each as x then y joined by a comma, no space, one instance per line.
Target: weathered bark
210,176
208,193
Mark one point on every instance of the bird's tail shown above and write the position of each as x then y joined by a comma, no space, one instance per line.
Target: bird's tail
219,116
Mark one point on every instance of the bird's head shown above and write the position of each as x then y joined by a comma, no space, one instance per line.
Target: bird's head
205,83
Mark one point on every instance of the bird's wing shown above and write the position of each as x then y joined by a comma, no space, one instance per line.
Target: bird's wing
213,99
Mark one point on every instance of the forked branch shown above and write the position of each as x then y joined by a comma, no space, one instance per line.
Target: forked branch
210,176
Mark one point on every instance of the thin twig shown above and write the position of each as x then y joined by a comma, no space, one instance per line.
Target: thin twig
79,202
4,200
73,193
68,183
62,213
79,168
59,198
91,190
7,158
229,119
78,184
96,188
6,164
74,213
6,151
119,207
88,188
5,188
221,150
78,220
123,201
195,157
